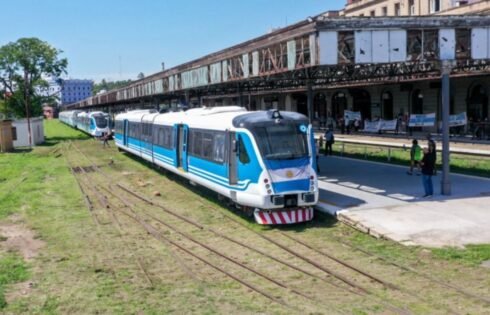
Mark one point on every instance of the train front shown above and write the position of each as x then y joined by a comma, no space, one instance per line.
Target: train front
99,124
288,185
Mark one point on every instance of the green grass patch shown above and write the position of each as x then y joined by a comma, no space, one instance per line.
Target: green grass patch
472,255
55,131
460,163
12,270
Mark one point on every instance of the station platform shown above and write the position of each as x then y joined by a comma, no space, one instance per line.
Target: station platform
382,200
457,144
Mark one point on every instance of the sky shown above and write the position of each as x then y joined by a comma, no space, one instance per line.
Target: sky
118,39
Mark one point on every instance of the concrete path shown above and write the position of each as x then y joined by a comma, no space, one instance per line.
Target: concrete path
383,200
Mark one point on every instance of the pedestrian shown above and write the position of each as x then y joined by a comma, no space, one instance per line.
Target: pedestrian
329,141
105,138
428,167
415,157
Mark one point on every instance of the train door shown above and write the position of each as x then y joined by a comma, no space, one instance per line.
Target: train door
147,145
182,136
125,132
232,144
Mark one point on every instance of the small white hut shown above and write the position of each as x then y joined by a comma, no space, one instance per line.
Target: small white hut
21,133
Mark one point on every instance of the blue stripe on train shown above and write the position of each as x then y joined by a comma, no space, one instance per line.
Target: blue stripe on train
294,185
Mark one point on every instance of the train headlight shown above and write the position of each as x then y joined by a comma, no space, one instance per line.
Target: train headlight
309,197
277,200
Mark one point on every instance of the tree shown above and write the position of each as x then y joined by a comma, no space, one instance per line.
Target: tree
23,64
109,85
140,76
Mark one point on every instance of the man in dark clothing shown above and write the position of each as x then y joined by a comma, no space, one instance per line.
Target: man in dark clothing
329,140
428,165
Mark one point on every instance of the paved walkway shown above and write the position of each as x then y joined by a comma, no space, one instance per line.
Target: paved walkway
383,200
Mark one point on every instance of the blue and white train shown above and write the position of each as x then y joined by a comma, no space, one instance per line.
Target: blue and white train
264,161
94,123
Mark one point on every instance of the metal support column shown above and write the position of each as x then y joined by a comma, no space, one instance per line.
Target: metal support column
445,181
310,102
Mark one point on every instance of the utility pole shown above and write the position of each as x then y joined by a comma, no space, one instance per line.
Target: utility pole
309,101
26,102
446,67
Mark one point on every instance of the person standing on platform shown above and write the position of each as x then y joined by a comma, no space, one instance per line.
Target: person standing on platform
329,140
415,157
428,167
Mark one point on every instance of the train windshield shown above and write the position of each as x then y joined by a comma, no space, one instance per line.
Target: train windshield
282,141
101,121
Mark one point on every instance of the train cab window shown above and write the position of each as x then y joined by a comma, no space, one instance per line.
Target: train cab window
219,148
282,142
101,121
242,152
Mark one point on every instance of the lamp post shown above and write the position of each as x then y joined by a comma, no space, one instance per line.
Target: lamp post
446,67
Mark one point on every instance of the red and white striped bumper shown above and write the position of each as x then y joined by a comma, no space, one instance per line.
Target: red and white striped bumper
289,216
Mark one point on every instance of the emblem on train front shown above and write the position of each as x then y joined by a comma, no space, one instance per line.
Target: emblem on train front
289,174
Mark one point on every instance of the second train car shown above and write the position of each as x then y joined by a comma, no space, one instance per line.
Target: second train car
263,161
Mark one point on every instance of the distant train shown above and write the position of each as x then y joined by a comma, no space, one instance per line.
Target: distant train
264,161
95,123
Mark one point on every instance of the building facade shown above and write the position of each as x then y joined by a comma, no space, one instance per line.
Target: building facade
381,67
372,8
74,90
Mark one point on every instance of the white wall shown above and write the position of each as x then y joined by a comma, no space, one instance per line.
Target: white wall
37,132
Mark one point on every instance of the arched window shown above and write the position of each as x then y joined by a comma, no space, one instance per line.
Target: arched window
387,105
477,103
417,102
339,104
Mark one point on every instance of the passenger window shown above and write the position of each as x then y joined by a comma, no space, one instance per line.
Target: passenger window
197,144
207,146
242,152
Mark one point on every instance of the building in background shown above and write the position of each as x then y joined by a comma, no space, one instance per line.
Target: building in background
52,90
74,90
414,7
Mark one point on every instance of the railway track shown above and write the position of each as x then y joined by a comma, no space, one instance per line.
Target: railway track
353,287
345,283
130,212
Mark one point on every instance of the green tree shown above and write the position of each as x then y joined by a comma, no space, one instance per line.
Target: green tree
111,85
23,64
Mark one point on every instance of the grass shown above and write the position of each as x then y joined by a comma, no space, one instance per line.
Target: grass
464,164
78,273
12,270
472,255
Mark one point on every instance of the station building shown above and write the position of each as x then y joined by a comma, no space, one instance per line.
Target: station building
383,67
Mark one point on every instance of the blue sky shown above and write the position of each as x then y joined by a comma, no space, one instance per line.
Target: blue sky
117,39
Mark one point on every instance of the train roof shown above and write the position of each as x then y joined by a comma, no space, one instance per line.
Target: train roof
204,117
265,117
218,118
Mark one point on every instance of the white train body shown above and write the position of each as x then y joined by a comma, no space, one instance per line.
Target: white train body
262,161
94,123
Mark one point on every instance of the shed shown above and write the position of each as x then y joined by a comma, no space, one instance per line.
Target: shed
6,139
22,134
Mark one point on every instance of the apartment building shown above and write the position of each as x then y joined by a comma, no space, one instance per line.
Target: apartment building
371,8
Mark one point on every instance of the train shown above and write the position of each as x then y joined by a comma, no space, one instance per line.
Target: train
261,161
94,123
